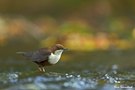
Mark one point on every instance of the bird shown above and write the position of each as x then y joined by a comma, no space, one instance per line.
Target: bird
45,56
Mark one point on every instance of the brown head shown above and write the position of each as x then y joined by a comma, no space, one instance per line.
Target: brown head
58,47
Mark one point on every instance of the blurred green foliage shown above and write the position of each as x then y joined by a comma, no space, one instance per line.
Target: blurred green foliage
74,23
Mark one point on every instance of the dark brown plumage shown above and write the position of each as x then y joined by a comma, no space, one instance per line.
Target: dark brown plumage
44,56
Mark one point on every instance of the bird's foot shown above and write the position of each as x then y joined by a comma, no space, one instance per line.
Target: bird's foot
41,69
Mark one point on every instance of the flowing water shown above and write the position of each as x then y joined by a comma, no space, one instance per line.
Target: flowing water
99,70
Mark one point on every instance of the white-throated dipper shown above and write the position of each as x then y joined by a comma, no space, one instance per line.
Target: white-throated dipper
45,56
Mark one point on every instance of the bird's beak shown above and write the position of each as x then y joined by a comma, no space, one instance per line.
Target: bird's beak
65,49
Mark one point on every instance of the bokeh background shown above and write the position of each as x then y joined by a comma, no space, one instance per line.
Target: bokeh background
95,25
100,35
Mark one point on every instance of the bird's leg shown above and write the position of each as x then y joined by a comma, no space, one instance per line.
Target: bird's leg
42,69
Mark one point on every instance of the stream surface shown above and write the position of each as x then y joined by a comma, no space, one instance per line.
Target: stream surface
99,70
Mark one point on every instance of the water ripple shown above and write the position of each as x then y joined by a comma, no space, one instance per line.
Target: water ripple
64,81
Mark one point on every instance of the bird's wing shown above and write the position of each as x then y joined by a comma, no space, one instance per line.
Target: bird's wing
41,55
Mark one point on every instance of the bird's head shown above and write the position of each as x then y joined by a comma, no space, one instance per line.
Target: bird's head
58,48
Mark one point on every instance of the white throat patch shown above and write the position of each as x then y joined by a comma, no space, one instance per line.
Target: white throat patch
55,57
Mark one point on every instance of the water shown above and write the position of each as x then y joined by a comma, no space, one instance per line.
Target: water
101,70
63,81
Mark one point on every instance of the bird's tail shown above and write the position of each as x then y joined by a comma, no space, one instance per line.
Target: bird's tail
21,53
26,54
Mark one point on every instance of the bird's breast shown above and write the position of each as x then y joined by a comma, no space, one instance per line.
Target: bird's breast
53,59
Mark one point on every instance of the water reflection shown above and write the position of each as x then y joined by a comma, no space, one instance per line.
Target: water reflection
64,81
99,74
